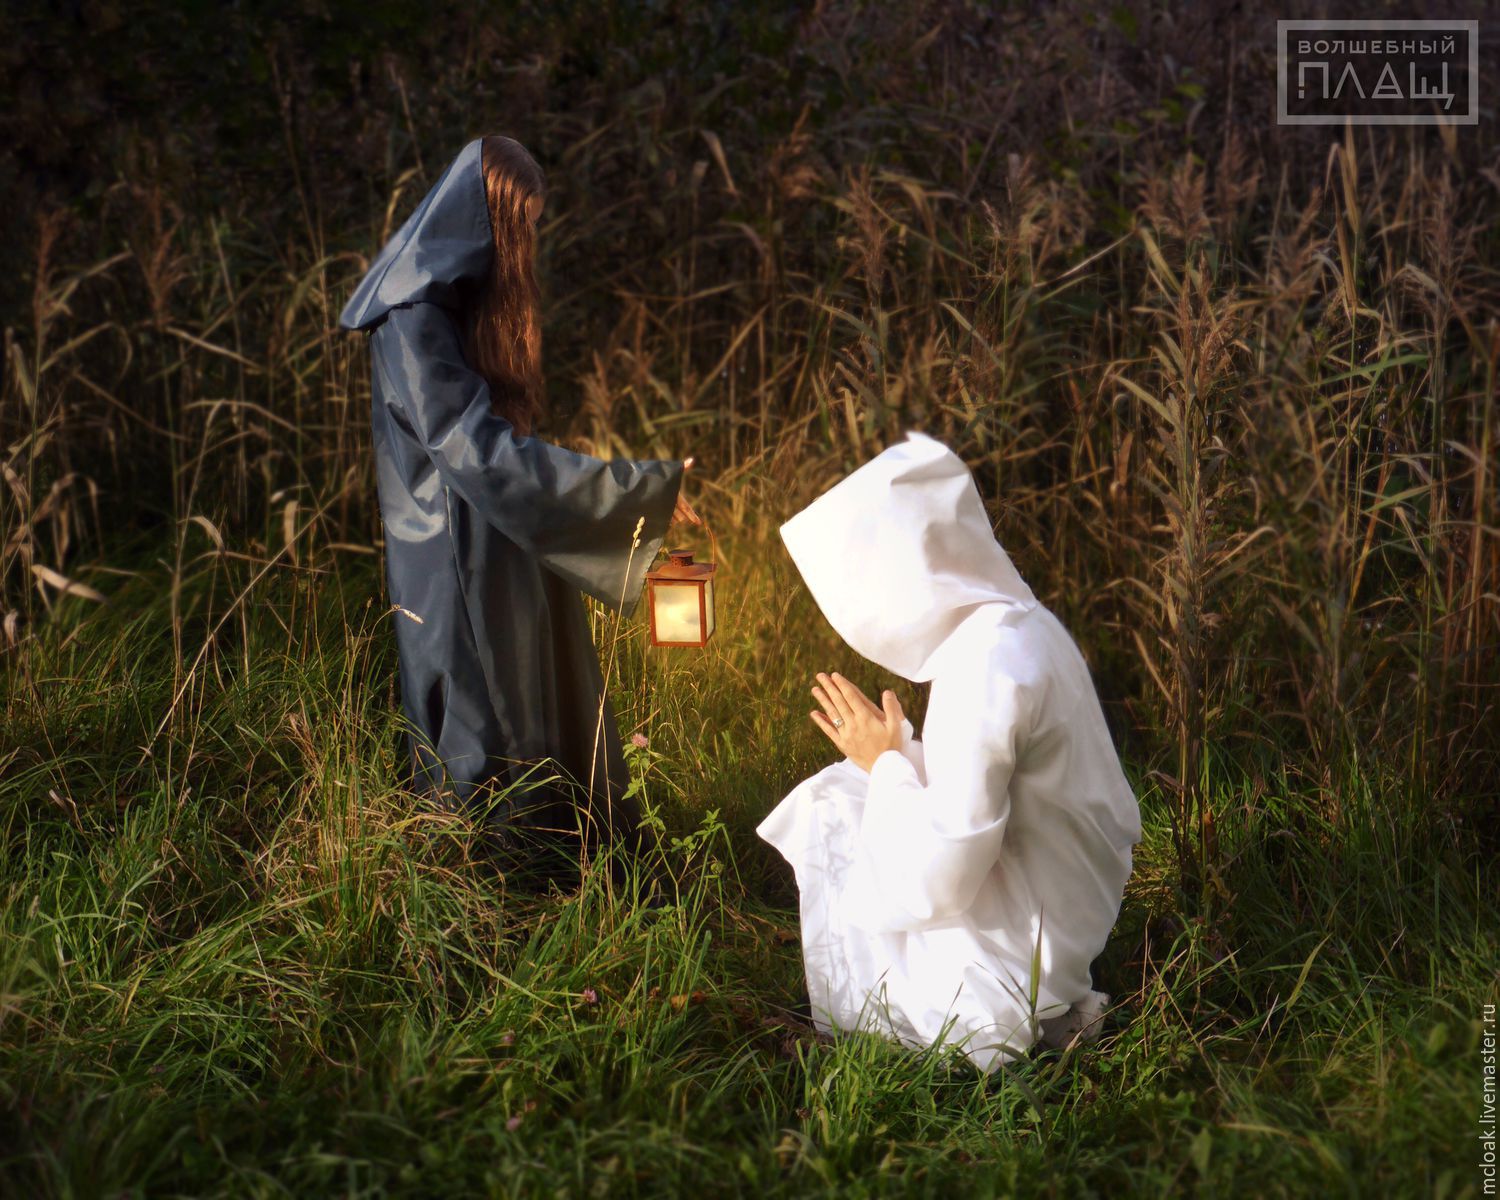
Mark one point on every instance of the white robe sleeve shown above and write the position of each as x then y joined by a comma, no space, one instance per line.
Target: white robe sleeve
926,845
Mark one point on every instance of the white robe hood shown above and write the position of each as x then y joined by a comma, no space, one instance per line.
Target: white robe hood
898,553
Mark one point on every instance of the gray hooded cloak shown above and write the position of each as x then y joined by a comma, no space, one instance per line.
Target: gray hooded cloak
489,539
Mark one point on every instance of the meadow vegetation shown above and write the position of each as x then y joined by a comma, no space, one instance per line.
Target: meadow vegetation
1229,391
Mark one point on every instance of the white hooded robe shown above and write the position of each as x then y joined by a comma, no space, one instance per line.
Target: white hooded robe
929,883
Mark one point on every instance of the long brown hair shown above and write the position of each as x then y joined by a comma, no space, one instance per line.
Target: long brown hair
504,333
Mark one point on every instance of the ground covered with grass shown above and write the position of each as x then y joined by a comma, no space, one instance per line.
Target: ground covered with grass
238,960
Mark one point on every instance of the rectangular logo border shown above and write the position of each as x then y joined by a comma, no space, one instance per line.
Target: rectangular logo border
1376,25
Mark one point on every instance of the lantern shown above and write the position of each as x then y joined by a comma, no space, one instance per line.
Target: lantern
681,596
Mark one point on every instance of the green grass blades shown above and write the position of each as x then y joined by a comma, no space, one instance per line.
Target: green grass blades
237,960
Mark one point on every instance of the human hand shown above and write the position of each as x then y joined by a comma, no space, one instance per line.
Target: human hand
684,511
853,723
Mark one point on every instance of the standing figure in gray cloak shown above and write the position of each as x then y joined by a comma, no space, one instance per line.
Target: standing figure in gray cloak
954,888
490,533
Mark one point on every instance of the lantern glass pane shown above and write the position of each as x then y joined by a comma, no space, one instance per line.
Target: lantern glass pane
708,606
676,612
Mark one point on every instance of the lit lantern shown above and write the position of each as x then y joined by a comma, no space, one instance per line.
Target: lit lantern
681,596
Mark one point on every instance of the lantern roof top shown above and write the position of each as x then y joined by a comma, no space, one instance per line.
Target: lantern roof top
682,567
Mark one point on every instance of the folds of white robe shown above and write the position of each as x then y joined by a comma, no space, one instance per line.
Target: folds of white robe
929,883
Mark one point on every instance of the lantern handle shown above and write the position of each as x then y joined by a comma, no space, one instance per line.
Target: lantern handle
713,543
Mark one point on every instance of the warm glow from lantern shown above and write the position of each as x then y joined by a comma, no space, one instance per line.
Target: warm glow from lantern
677,612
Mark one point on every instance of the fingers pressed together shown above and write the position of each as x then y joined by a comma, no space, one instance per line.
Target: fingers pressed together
852,721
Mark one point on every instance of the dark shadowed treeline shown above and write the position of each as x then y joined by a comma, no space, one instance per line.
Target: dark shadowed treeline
1229,388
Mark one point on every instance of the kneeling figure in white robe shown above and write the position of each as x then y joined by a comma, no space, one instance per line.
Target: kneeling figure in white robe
935,879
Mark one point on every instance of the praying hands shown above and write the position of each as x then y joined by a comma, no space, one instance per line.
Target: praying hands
851,721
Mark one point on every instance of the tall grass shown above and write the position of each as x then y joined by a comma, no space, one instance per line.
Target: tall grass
250,964
1231,398
1229,391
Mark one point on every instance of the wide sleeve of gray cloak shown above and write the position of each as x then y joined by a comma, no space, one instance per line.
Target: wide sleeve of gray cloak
574,513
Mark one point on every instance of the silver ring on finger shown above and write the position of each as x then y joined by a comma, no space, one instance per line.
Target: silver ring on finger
838,722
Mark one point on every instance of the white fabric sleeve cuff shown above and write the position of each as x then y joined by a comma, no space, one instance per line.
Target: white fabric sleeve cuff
892,769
